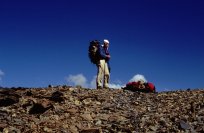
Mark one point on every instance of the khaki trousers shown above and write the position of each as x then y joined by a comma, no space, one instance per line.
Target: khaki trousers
103,74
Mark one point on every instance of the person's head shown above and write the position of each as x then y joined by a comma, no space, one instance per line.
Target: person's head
106,43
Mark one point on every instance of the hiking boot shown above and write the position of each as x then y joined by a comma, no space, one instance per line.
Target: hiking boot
99,87
106,88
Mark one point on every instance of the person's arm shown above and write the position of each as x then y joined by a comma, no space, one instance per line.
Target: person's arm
102,52
109,68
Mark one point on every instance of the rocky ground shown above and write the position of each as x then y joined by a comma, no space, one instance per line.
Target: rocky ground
66,109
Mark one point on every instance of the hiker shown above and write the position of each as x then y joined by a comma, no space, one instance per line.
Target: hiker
103,74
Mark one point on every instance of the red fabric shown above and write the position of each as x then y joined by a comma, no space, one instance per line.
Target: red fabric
132,83
135,86
151,86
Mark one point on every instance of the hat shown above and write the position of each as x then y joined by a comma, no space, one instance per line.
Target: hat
105,41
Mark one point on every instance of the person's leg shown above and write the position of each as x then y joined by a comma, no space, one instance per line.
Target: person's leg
106,76
100,74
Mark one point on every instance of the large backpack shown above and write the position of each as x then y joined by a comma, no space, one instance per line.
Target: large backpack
140,87
93,51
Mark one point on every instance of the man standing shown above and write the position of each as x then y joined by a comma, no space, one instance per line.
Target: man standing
103,66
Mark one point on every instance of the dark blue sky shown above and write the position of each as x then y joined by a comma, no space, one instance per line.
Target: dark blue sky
44,42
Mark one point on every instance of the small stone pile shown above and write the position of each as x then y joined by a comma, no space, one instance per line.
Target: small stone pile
65,109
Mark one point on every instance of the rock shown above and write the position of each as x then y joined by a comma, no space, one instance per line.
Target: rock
11,129
153,128
38,109
29,93
7,101
48,130
184,125
50,86
73,110
57,97
73,129
87,117
2,126
77,102
91,130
